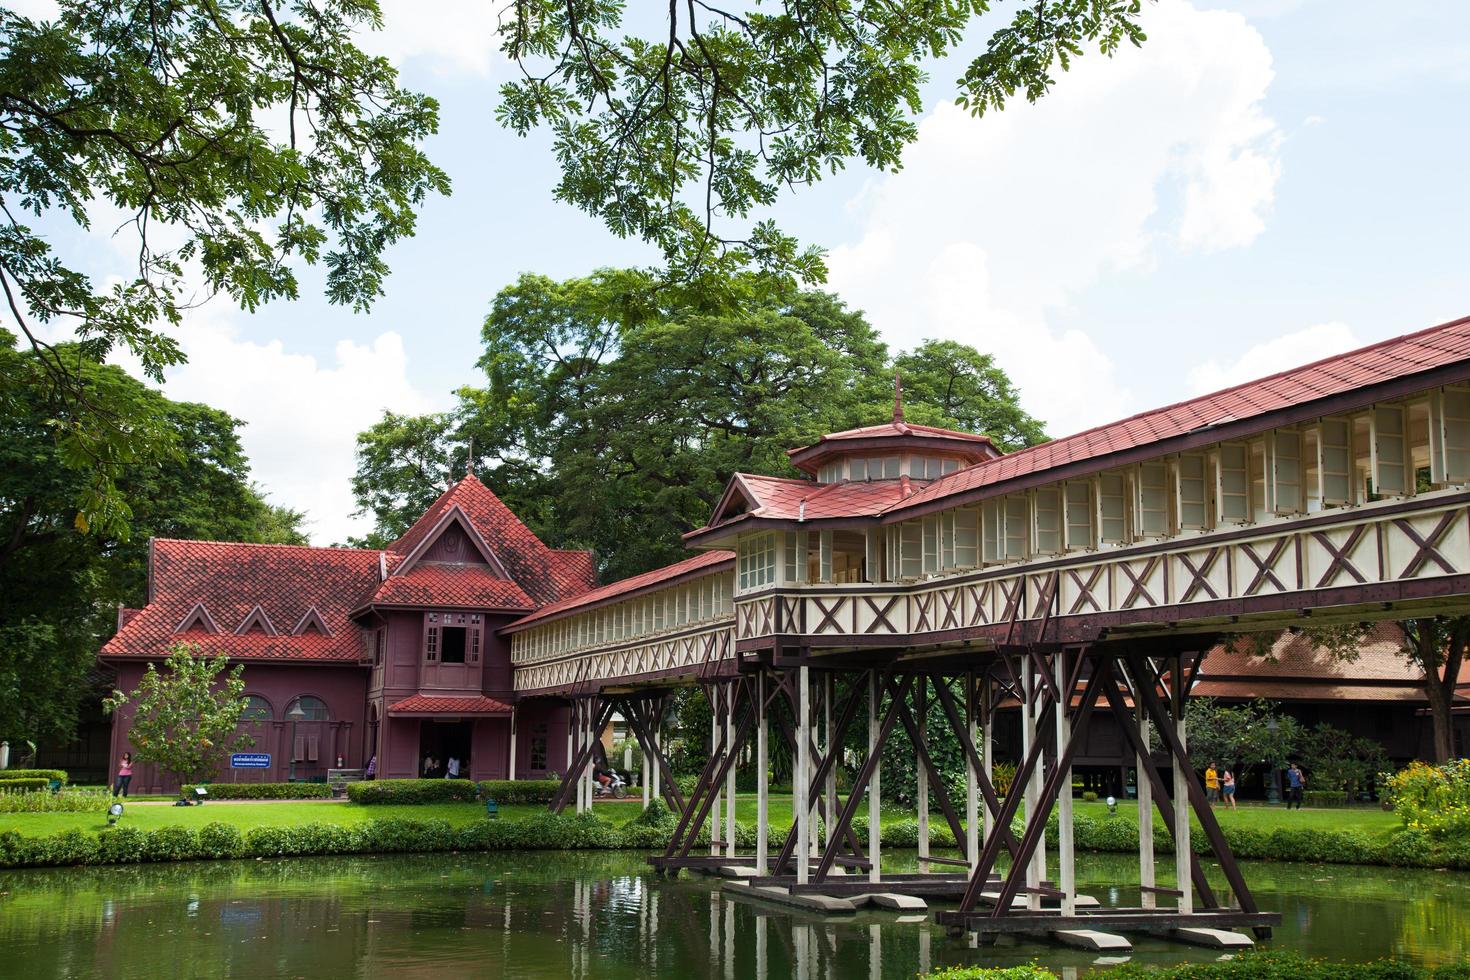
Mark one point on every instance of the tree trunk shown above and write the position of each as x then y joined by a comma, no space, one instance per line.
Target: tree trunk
1441,674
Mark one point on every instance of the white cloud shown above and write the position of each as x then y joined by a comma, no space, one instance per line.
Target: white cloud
996,225
1289,350
302,417
450,36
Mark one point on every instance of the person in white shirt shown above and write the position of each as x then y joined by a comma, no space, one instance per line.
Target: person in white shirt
452,770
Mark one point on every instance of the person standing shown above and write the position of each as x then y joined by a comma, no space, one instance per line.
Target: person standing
1296,781
371,771
428,769
1212,783
451,771
124,775
1227,788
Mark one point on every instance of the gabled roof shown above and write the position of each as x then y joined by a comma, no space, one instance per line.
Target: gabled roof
895,436
701,564
429,704
439,584
1208,415
1298,670
538,570
229,580
782,498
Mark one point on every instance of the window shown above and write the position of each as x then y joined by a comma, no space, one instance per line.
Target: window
380,641
1077,500
257,708
1335,472
993,531
431,637
946,539
1232,484
1191,496
857,469
1286,471
1017,520
967,537
948,465
452,645
1453,432
315,709
928,468
1047,513
1152,482
538,748
910,550
1112,508
1390,460
756,561
873,548
929,528
824,555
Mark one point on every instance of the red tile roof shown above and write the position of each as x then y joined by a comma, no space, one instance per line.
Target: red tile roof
575,571
893,436
440,584
431,704
781,497
1297,670
230,579
702,563
535,567
1385,361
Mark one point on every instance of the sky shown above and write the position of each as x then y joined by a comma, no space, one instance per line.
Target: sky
1263,183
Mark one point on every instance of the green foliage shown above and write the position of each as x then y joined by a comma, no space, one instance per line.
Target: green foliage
1433,799
507,791
1240,737
412,791
615,411
258,135
60,587
669,131
184,718
48,774
264,791
1257,964
1340,761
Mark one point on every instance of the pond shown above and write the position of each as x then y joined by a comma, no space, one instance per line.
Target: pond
603,915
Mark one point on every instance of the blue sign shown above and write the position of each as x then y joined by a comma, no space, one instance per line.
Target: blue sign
250,760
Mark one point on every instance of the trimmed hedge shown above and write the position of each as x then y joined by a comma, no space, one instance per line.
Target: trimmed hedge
1326,798
412,791
265,791
1251,965
23,785
8,774
519,790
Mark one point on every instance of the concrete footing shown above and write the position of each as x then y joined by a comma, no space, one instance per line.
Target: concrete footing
1092,939
1212,938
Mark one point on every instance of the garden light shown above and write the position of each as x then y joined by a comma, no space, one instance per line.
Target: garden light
1112,806
113,813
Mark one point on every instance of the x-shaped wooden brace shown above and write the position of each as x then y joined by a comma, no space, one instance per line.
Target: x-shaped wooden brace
824,765
1085,590
1428,547
1266,570
880,616
1140,582
949,600
641,713
829,614
1199,576
721,759
979,599
1341,557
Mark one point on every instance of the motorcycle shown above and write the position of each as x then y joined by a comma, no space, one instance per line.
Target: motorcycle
616,787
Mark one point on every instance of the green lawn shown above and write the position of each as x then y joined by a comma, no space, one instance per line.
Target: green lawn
1372,821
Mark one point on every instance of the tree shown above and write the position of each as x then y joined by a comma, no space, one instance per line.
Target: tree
1339,760
1242,737
184,719
235,140
60,587
616,408
671,131
1435,645
954,386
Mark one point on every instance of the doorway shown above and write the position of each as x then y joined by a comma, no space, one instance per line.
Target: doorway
444,740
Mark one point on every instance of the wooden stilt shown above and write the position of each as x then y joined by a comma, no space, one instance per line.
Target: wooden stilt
921,772
987,757
511,768
799,787
1146,878
730,775
875,792
716,705
762,777
1182,778
829,794
972,780
1066,858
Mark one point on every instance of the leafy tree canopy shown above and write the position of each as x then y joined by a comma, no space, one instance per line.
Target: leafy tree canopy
615,409
680,128
59,587
232,141
184,717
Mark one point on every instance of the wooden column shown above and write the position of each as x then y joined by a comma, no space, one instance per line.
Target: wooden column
715,706
656,734
875,794
1146,874
762,779
1182,776
987,756
921,774
1031,791
829,814
512,767
803,773
730,746
571,746
1066,866
972,782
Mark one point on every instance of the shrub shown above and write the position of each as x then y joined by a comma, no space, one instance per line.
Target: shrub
264,791
1251,965
412,791
221,840
519,790
47,774
1325,798
1435,799
1089,797
45,801
23,785
121,845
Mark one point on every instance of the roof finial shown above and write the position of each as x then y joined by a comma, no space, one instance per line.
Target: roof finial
469,462
897,397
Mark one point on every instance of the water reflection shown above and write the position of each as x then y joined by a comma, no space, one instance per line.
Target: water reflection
604,915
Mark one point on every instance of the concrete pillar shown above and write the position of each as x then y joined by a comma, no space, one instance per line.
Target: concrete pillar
921,705
762,779
1066,857
1182,776
875,792
803,773
1146,875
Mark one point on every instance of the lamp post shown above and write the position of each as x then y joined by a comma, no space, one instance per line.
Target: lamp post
1273,781
295,714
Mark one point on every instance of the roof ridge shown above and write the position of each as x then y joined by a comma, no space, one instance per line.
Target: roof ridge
268,544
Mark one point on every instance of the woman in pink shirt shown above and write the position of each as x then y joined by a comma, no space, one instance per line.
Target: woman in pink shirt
124,775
